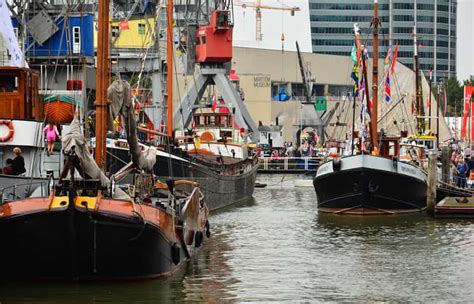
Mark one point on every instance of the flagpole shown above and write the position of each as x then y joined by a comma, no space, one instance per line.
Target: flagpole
429,109
437,117
353,123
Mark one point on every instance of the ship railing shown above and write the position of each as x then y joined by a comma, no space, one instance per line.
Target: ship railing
289,164
24,190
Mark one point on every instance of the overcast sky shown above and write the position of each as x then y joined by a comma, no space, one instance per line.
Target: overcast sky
465,39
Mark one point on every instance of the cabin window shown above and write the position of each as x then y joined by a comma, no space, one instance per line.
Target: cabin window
203,38
8,84
76,39
115,31
141,29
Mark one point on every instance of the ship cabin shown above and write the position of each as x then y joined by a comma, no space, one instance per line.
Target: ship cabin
19,94
213,120
389,146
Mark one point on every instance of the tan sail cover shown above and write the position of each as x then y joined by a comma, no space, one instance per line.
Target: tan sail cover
74,143
119,94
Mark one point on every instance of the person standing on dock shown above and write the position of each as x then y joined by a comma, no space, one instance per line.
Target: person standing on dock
467,153
462,173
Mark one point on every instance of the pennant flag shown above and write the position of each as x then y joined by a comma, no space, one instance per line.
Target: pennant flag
388,57
354,54
124,25
394,60
355,77
214,103
388,92
355,70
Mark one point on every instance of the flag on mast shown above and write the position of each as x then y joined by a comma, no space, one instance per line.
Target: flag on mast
394,60
388,91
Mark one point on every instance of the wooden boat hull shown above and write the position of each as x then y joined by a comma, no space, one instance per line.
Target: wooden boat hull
370,189
74,243
219,190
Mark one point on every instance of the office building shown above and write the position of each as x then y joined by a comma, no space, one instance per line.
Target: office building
332,30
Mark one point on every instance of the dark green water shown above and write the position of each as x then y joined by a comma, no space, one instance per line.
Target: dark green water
278,249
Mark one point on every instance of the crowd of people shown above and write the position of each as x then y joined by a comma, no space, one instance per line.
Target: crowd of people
461,165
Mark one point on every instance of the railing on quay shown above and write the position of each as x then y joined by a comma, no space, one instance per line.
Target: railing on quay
289,164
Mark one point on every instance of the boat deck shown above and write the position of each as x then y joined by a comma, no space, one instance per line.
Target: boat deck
455,207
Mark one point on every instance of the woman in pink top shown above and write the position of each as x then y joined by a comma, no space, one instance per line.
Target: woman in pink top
51,135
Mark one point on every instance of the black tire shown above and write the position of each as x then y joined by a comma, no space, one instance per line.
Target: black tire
175,255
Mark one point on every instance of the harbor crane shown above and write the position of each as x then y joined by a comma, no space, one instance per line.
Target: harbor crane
258,13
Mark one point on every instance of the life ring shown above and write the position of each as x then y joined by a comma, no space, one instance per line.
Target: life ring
11,131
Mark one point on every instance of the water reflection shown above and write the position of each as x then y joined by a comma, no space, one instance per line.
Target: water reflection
278,248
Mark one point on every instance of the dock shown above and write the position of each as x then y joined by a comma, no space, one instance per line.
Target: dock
460,207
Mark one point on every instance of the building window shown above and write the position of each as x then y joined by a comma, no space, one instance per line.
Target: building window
442,32
424,6
115,30
141,29
442,55
403,6
443,8
76,39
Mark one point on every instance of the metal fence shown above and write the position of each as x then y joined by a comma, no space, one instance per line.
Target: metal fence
289,164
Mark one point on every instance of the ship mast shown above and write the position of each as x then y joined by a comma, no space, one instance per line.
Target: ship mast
169,62
102,81
375,76
418,93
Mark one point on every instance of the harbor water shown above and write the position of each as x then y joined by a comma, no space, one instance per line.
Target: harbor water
277,248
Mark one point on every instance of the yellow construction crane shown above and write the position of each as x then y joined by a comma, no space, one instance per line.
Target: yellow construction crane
258,14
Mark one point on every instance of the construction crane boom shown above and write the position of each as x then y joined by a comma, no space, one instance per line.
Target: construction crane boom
258,13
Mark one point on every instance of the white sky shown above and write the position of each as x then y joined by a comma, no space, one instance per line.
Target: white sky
465,39
297,27
274,22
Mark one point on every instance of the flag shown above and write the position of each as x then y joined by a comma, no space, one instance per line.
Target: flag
355,70
214,103
124,25
355,77
388,57
394,60
9,38
388,91
354,55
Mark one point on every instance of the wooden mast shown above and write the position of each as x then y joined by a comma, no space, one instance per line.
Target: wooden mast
169,62
418,93
375,76
102,81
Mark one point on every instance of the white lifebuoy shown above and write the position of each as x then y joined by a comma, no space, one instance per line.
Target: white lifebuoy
11,131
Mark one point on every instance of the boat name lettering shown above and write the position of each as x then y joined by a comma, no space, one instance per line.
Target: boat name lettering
261,81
